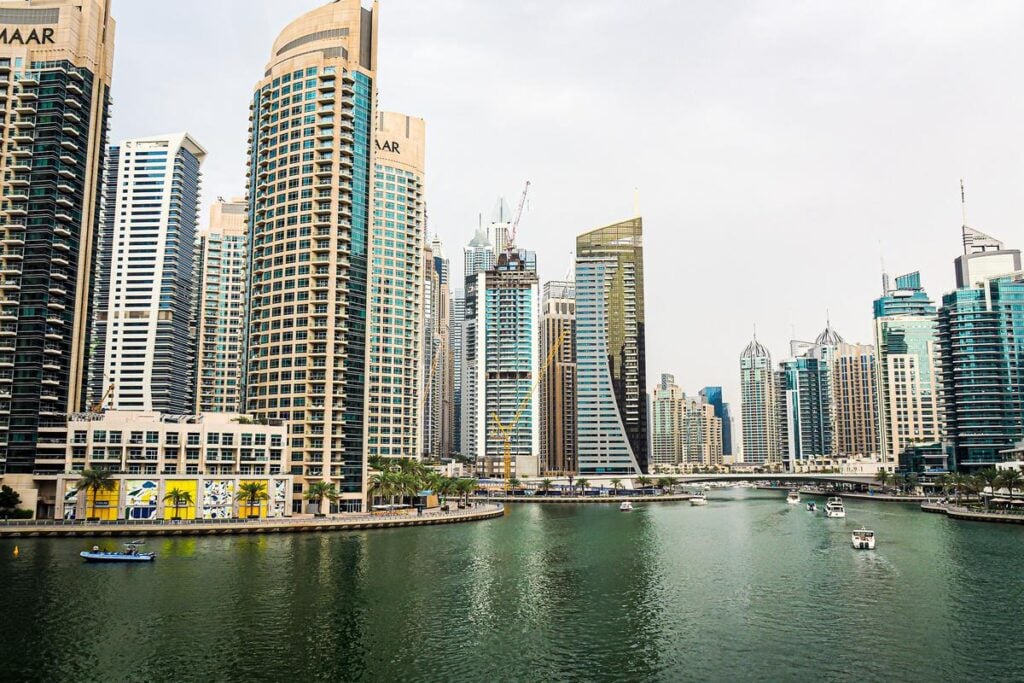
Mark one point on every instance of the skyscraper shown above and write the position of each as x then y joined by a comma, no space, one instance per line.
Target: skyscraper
144,298
759,407
909,409
478,257
558,388
437,364
56,90
980,326
807,411
505,365
455,343
610,350
396,284
310,176
668,415
713,396
222,255
855,393
702,433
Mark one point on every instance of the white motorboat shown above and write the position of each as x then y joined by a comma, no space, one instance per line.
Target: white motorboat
793,497
834,508
811,507
863,539
626,506
698,499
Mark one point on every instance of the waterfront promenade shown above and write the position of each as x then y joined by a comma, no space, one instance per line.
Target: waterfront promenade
209,527
960,512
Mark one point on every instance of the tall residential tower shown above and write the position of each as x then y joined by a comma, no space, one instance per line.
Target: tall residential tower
558,388
311,170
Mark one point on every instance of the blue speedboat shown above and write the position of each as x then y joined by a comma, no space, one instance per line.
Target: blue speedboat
131,553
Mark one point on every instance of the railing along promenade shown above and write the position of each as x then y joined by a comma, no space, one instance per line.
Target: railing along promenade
199,527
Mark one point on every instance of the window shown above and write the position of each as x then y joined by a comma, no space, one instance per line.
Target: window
193,439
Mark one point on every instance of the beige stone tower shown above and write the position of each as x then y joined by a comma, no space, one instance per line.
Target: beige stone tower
310,177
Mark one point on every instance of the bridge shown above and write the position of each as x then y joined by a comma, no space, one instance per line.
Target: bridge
684,479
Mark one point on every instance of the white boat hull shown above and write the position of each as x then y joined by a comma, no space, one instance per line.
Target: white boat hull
835,513
698,501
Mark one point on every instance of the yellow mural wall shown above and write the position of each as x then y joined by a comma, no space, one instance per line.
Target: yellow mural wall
261,506
102,504
189,486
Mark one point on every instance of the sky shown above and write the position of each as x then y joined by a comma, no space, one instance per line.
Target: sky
778,152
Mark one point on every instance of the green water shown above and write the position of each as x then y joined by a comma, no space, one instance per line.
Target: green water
746,588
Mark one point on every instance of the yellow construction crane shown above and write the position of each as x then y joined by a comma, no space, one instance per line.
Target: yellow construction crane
506,430
97,407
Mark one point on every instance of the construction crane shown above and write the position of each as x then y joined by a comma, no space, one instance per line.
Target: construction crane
506,430
97,407
510,238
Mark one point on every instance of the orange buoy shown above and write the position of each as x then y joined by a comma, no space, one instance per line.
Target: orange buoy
16,553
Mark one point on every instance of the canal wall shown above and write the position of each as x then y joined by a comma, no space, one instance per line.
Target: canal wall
675,497
972,515
207,527
880,497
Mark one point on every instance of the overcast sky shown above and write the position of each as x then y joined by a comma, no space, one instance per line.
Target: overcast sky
780,148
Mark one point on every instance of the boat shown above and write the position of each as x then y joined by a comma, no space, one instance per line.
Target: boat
834,508
131,553
863,539
811,507
793,497
626,506
698,499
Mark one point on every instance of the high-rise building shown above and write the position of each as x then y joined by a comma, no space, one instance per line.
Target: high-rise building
311,168
55,67
702,433
980,326
984,257
220,299
455,329
909,409
807,412
143,308
396,285
610,350
437,387
759,406
713,396
668,415
504,365
478,257
558,388
855,393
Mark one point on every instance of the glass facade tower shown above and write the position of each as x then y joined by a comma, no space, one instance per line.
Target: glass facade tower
310,175
611,412
55,95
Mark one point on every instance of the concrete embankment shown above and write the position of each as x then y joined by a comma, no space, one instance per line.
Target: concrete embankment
973,515
590,499
880,497
51,528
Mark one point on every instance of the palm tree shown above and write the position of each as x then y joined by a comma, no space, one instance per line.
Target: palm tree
960,484
616,485
913,480
514,484
642,481
583,484
180,498
545,485
990,477
381,485
943,483
253,493
466,487
319,491
1011,479
95,481
882,477
899,482
672,482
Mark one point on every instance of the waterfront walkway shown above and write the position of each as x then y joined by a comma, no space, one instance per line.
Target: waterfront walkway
881,497
205,527
959,512
667,498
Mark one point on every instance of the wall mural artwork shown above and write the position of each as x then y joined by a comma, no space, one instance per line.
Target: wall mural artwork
218,498
280,497
141,498
70,499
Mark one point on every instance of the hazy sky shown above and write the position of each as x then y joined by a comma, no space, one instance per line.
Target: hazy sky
779,148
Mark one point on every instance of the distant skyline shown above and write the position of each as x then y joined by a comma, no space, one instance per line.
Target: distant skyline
780,151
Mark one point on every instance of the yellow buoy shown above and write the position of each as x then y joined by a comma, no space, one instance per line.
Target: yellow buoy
16,553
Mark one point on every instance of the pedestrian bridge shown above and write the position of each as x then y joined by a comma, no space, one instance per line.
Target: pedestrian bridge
788,477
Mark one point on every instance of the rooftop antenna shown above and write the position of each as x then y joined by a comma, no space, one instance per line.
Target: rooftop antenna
885,276
963,214
570,275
